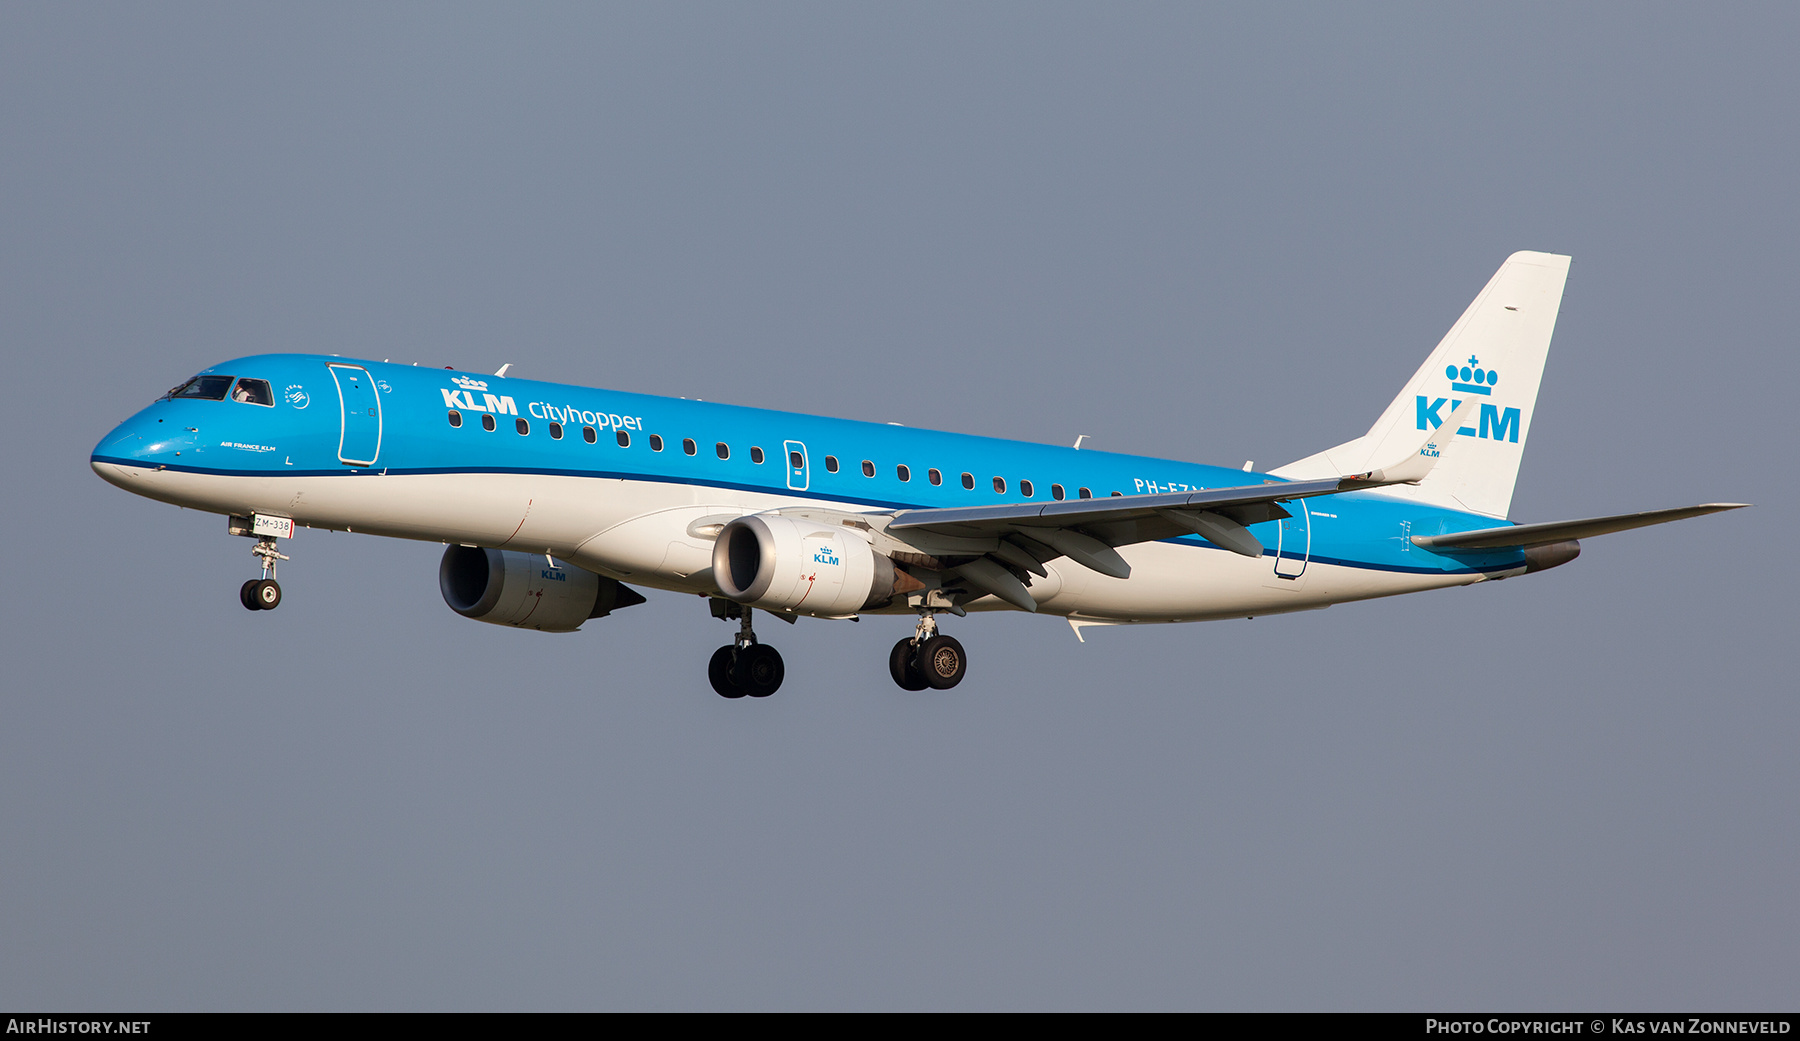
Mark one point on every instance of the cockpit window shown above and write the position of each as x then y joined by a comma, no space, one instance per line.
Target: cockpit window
253,392
210,388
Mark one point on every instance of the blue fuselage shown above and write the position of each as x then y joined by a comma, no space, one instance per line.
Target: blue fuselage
359,420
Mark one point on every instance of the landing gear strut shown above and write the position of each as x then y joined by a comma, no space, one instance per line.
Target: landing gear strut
263,594
744,667
927,658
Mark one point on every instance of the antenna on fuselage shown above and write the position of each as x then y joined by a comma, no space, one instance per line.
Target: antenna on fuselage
1078,441
503,369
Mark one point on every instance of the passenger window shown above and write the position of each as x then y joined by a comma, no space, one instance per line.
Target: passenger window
687,445
588,435
934,476
756,455
969,481
208,388
795,461
831,464
1085,494
556,431
1056,492
1000,485
655,442
724,452
487,422
523,426
455,418
624,439
868,468
1119,495
902,472
253,392
1025,489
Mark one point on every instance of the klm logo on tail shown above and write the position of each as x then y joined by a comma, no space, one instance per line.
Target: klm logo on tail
1497,424
1472,377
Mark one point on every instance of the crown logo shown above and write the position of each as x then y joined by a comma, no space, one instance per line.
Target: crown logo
469,384
1472,377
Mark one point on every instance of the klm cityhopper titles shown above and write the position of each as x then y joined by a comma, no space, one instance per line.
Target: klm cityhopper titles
551,498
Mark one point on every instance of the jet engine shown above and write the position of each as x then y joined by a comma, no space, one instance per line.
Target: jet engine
782,563
524,590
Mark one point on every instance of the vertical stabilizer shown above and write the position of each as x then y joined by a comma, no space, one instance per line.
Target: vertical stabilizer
1494,354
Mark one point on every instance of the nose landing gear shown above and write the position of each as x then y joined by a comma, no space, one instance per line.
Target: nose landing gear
263,594
927,658
744,667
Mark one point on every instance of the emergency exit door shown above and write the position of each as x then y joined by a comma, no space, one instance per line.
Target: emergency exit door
1293,544
796,464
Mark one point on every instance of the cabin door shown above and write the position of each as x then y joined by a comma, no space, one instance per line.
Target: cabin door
359,405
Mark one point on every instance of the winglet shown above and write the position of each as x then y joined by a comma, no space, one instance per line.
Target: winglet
1416,466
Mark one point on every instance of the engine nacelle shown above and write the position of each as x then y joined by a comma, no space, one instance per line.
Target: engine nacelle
523,590
791,564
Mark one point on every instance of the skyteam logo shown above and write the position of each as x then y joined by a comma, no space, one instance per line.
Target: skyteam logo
1497,424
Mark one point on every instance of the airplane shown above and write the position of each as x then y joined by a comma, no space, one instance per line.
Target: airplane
550,498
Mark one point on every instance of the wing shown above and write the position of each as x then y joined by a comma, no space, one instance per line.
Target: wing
993,548
1563,531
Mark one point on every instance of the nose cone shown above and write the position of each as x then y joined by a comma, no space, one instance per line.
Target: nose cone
141,446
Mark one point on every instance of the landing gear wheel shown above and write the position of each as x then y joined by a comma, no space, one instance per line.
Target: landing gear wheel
758,670
266,593
903,665
942,662
718,670
246,598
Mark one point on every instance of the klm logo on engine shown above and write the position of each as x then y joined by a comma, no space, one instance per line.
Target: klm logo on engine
823,553
1497,424
465,398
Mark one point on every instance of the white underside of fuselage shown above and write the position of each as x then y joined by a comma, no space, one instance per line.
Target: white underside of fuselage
657,534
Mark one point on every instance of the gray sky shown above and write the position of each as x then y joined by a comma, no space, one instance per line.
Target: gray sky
1204,233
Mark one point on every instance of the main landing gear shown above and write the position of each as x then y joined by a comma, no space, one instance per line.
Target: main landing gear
744,667
263,594
927,658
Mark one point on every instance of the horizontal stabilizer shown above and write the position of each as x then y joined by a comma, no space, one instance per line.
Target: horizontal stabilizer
1562,531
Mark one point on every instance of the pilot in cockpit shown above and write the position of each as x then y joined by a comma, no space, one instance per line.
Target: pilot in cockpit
252,392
